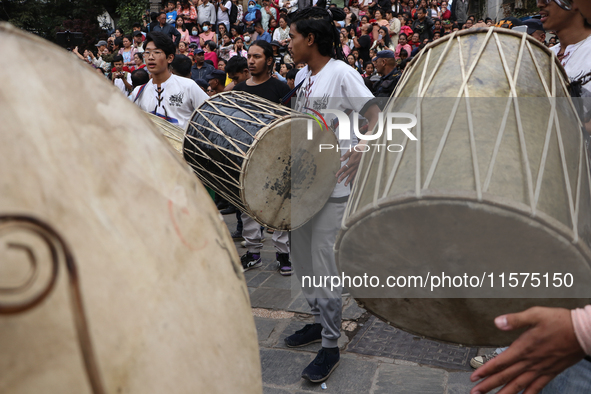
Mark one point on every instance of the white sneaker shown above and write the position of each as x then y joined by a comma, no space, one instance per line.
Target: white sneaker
479,361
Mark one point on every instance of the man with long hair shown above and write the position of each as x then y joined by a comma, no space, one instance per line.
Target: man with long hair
324,83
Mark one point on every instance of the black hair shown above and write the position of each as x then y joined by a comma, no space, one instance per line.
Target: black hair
118,41
320,23
423,10
161,41
403,51
385,36
211,45
139,77
403,34
130,38
161,12
236,64
258,24
221,79
117,58
208,62
120,31
136,25
267,50
181,64
154,16
288,66
291,74
139,54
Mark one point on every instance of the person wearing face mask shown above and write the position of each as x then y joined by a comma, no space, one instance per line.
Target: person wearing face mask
247,40
207,35
194,37
253,14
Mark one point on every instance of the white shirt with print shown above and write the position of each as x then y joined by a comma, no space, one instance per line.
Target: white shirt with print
577,61
337,86
177,100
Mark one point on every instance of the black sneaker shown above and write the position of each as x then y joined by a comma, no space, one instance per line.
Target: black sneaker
228,211
250,261
237,236
325,362
283,263
311,333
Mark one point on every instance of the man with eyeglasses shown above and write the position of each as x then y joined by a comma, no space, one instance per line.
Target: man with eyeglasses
169,96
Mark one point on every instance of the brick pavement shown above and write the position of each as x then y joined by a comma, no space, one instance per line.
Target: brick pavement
375,357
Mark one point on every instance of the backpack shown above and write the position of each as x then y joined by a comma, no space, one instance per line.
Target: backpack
233,14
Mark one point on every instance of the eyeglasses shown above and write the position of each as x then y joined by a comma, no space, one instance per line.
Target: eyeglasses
155,53
566,5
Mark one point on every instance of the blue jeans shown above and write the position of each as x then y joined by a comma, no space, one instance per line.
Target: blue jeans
573,380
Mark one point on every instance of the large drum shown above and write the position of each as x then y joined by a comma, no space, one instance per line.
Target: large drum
496,184
117,274
173,134
256,154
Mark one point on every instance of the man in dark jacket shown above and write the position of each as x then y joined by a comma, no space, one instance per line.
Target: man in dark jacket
423,25
200,69
459,11
167,29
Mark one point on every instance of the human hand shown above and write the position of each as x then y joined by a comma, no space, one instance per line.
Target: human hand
349,170
544,350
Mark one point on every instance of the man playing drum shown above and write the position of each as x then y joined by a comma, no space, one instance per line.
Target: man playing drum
260,83
325,83
166,95
556,338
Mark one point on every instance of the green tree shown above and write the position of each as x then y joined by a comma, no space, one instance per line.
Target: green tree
130,12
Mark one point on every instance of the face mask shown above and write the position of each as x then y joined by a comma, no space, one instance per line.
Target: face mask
251,8
246,39
205,28
194,32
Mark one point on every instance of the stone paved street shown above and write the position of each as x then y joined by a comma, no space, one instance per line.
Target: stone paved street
375,357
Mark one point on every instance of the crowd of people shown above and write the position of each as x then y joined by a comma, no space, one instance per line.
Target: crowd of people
174,59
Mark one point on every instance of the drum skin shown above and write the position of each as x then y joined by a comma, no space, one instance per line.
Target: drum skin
161,288
473,194
173,134
256,154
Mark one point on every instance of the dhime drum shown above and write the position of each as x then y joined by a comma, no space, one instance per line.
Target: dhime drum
494,189
256,154
173,134
116,273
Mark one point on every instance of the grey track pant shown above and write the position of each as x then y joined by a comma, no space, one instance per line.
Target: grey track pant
251,231
312,254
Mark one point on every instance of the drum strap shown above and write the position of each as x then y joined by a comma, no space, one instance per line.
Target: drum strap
139,92
291,93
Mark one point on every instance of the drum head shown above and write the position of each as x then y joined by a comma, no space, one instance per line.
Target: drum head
154,270
472,244
287,180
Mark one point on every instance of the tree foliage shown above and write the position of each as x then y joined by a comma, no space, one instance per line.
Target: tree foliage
130,12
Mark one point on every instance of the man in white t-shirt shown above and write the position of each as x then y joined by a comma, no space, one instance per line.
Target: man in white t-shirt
223,12
574,48
169,96
120,78
324,84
